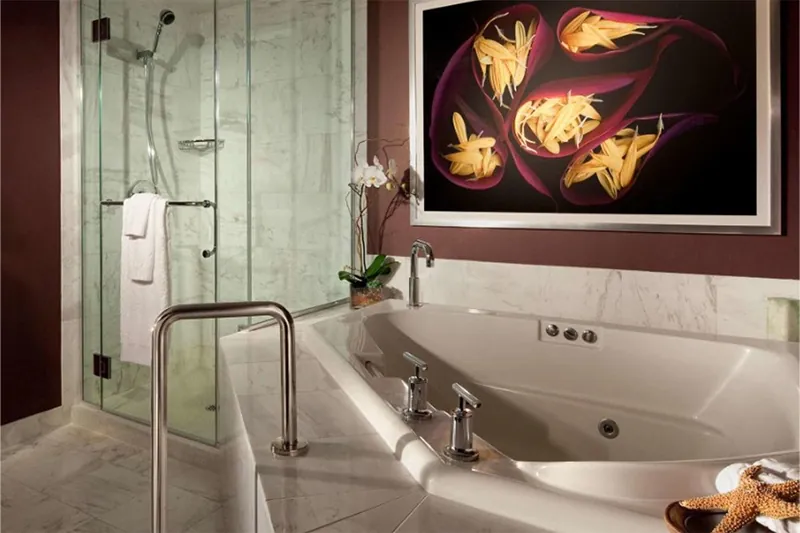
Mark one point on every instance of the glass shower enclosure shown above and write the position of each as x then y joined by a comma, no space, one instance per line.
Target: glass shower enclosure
241,114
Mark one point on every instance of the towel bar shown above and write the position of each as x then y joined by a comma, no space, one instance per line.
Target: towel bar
193,203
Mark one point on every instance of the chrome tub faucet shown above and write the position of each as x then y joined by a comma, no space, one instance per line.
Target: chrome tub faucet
413,280
460,447
417,400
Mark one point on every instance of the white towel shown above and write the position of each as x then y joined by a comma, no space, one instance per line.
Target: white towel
136,213
142,301
772,471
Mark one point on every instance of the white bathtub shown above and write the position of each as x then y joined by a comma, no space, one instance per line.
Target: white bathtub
684,404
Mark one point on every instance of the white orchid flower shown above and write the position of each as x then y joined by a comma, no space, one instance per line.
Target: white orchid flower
359,173
374,176
377,163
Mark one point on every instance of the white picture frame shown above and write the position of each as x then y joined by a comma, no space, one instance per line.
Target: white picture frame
767,219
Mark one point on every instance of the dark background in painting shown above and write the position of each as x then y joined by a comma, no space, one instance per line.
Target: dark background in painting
708,170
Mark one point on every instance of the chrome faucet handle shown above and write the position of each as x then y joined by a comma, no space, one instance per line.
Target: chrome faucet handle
417,401
465,396
418,363
460,447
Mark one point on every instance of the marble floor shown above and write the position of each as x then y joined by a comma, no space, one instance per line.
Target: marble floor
77,481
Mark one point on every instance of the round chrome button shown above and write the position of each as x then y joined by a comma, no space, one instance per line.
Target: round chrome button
589,336
551,330
570,334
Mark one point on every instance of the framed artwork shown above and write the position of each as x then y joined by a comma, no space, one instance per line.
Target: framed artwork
638,115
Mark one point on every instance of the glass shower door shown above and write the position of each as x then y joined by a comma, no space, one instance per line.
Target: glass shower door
156,90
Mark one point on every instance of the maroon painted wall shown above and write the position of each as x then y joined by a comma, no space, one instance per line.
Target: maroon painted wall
30,249
733,255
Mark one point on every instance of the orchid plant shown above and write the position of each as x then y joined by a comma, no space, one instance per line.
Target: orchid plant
381,174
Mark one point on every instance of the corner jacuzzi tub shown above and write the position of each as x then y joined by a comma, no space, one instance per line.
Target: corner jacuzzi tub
574,436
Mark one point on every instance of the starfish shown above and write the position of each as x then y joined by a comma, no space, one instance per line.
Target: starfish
749,500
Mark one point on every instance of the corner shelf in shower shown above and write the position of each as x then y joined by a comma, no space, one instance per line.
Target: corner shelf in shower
201,145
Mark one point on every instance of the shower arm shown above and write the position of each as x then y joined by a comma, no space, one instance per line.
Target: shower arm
288,444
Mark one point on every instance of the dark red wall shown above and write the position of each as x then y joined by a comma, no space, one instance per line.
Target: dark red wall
733,255
30,249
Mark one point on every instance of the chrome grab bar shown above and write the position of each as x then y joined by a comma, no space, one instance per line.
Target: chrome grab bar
287,445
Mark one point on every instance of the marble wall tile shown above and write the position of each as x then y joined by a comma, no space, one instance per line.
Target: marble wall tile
679,302
783,319
744,303
70,110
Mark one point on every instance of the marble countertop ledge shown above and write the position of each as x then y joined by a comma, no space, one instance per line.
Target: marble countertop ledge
350,481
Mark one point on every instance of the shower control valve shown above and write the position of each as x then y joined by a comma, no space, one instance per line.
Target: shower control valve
417,402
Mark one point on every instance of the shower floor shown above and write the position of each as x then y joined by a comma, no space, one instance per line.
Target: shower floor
78,481
191,397
187,413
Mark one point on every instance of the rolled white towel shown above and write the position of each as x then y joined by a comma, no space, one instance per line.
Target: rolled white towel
772,471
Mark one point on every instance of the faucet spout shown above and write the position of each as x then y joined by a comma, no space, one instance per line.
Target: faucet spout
413,280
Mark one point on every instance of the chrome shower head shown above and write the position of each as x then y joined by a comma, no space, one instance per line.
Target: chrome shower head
166,17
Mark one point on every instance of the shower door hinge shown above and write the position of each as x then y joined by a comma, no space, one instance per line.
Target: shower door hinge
102,366
101,29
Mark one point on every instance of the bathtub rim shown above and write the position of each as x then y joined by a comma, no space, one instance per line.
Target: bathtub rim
527,503
448,482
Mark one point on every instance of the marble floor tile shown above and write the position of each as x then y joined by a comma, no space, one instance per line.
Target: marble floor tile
63,454
101,490
184,510
205,483
9,451
95,526
200,481
44,465
382,519
106,448
25,510
139,463
14,494
443,516
333,465
301,515
213,523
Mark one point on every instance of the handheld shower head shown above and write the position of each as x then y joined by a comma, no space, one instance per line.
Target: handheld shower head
166,17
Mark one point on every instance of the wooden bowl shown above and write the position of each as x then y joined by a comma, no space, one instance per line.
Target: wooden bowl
682,520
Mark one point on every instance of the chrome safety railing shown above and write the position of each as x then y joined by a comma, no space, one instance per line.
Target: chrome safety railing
288,444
